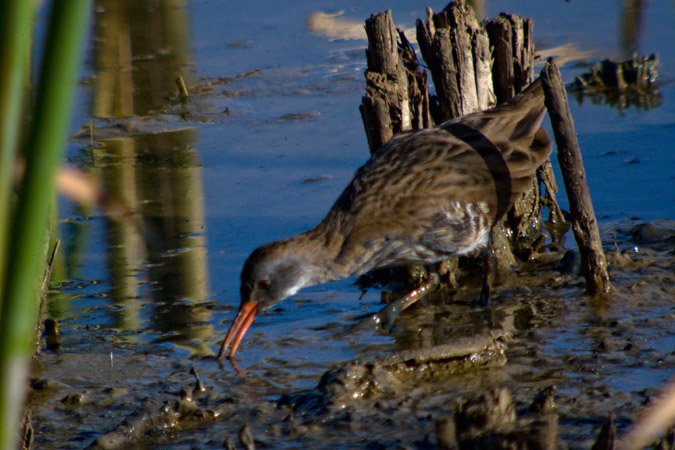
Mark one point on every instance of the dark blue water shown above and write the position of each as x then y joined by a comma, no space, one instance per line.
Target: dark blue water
252,166
255,160
255,164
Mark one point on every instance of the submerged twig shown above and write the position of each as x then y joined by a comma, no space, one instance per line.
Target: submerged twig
182,89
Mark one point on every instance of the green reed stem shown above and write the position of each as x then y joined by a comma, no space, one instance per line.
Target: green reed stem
43,151
16,22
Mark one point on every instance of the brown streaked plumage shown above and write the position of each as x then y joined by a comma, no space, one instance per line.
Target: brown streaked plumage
425,196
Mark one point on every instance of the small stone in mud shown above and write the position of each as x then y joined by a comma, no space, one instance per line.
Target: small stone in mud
115,392
42,384
51,333
73,400
110,396
650,233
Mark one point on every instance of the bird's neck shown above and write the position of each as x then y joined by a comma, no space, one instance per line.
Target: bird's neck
316,250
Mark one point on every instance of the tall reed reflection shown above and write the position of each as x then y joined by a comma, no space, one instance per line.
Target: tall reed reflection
140,49
631,29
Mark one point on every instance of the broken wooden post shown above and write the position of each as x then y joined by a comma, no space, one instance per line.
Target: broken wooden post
457,51
397,96
418,91
386,109
512,41
584,223
513,69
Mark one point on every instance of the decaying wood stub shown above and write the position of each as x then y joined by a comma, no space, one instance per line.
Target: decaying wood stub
456,48
512,41
513,52
396,93
418,91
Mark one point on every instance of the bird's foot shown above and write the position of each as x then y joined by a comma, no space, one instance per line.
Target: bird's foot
388,315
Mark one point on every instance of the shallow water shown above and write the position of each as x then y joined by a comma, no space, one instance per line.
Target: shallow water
261,155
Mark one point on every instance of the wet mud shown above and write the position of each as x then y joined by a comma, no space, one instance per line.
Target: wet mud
544,357
543,367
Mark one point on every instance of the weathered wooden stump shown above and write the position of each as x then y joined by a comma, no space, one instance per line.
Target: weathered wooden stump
474,66
396,97
457,51
512,41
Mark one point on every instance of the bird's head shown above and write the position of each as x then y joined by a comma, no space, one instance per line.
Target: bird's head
271,273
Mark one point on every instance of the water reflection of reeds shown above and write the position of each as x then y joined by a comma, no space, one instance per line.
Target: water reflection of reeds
140,48
158,255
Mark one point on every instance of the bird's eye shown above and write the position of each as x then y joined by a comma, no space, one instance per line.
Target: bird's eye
264,284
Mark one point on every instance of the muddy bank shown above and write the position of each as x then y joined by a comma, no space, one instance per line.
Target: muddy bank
588,357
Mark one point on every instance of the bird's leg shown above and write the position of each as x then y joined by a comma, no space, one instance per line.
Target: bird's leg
387,315
484,299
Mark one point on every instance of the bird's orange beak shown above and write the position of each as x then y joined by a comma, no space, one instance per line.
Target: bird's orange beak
241,323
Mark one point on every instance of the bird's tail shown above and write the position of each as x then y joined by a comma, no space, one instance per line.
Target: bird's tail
515,129
518,118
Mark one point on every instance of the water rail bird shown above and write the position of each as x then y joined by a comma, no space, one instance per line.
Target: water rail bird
425,196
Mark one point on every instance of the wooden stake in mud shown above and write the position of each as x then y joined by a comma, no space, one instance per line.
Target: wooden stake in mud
385,108
584,223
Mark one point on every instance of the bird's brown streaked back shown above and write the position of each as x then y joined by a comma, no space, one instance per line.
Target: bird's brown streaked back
425,196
